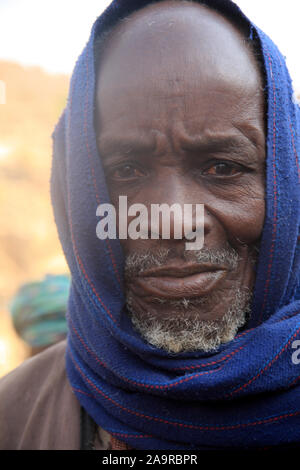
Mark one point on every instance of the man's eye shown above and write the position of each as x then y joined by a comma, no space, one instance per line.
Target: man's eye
126,172
223,169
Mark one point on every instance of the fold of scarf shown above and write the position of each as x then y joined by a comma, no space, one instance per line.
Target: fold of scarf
246,394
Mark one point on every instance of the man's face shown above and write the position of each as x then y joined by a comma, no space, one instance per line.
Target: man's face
180,119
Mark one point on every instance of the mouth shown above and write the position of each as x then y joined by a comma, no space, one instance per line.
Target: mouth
176,282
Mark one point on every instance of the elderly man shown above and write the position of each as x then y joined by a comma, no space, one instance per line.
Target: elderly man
187,103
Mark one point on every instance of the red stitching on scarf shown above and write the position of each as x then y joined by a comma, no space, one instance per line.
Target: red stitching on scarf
174,423
81,264
210,363
265,368
233,352
133,382
222,358
83,393
73,239
187,379
83,270
156,386
266,289
93,170
219,360
86,347
294,382
135,436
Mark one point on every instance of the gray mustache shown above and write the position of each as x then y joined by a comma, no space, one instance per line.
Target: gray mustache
137,263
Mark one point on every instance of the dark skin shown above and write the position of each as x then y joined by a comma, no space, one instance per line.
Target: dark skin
180,119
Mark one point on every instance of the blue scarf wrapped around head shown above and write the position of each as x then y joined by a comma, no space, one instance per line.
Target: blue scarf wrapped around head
246,394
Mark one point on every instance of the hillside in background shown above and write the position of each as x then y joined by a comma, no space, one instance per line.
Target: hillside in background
29,246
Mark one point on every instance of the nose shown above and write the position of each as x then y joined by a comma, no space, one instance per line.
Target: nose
177,210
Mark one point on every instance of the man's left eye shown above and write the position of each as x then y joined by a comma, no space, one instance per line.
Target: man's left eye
223,169
126,172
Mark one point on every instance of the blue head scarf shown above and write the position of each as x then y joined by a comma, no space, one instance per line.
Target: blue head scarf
246,394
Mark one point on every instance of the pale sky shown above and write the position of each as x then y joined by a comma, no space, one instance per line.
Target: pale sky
52,33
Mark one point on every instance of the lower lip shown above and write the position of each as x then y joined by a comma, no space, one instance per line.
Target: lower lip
175,288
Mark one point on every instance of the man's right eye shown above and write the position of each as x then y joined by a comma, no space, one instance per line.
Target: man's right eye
125,172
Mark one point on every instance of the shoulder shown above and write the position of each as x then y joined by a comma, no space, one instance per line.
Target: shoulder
34,371
37,406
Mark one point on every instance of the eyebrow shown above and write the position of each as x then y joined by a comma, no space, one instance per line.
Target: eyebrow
217,142
125,146
237,143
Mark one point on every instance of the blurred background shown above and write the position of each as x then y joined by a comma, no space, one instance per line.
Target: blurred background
39,44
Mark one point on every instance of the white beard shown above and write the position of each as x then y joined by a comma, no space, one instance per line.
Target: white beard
184,331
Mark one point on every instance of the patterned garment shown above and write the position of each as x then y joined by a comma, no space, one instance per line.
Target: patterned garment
118,445
38,310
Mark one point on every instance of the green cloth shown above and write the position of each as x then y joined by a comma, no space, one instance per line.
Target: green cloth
38,310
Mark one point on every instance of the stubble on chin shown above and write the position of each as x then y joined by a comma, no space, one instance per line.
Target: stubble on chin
182,327
178,326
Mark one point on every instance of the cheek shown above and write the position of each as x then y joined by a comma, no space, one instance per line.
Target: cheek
240,208
244,220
